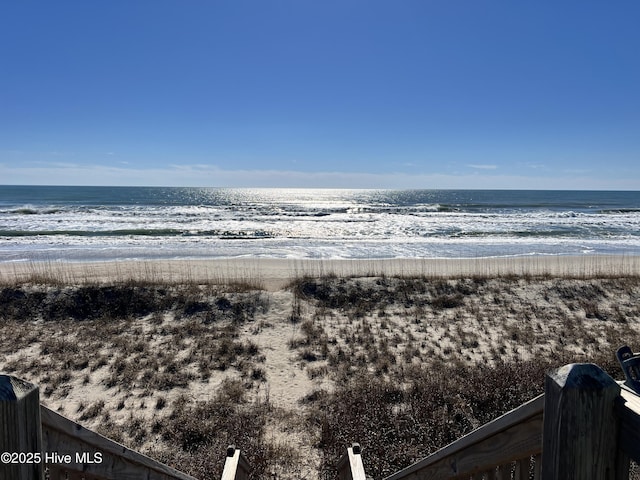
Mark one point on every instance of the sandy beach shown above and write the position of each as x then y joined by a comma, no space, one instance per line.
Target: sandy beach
307,355
274,274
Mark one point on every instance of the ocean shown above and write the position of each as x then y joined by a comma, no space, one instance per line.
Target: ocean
47,223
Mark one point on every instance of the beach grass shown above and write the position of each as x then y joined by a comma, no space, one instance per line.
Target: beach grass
274,273
293,372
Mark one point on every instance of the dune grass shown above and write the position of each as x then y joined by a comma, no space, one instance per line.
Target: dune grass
403,365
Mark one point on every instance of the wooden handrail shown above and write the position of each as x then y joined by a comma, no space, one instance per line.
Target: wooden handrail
104,458
515,436
584,414
236,466
350,466
48,441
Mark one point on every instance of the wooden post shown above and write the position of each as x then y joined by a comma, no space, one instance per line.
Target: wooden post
20,433
236,466
580,424
350,466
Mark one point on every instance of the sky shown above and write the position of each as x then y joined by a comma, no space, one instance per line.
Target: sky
331,93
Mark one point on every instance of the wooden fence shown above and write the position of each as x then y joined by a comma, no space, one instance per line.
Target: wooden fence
585,426
42,444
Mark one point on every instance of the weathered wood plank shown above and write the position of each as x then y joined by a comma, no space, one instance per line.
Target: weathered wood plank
236,466
58,472
580,424
350,466
103,459
506,439
629,411
509,445
20,429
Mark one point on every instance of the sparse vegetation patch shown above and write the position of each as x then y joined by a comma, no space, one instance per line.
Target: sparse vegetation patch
401,365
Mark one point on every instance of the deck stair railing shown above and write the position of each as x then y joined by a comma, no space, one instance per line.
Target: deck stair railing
236,466
509,444
43,445
350,465
585,426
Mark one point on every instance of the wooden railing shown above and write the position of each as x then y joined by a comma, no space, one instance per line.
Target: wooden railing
94,457
350,464
510,443
43,444
236,467
585,426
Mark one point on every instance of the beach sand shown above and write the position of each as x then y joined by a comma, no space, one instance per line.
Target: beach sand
293,341
274,274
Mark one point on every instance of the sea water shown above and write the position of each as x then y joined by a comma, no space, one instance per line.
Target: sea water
118,223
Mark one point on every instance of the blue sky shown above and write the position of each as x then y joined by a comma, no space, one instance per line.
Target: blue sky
301,93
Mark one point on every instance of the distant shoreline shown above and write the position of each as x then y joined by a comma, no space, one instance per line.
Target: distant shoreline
274,273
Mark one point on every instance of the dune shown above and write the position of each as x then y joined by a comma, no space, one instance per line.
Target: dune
286,348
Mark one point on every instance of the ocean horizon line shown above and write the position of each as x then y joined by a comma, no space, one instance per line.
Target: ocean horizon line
275,187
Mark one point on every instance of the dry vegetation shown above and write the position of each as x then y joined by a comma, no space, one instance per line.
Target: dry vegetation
401,365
